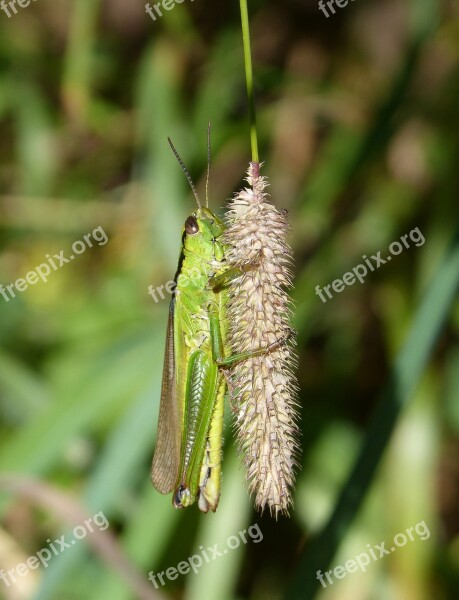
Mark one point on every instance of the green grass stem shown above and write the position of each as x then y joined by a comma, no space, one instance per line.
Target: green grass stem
249,79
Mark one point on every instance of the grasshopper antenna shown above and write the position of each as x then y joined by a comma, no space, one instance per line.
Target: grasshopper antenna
208,165
185,170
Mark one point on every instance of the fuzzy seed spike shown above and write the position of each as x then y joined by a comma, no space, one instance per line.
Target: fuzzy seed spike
259,311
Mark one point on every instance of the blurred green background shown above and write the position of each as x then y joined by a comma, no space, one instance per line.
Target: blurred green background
359,131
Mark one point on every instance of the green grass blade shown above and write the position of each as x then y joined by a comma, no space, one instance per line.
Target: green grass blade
217,580
79,60
406,374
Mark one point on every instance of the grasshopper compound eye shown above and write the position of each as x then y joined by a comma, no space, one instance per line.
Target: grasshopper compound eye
191,226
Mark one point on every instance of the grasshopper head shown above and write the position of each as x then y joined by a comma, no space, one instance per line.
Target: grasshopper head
201,231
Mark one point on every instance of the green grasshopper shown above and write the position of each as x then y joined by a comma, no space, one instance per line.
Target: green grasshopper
187,458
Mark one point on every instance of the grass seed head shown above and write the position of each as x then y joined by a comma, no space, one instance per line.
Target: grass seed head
259,310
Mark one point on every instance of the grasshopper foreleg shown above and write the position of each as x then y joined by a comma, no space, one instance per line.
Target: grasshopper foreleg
217,282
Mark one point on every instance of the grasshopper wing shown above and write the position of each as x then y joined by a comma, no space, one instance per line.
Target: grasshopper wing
166,460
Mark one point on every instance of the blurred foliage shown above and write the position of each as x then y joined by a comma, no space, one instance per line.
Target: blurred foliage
359,131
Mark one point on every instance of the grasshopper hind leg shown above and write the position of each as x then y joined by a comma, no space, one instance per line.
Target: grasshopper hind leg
211,472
